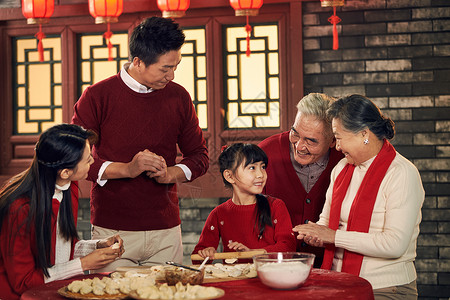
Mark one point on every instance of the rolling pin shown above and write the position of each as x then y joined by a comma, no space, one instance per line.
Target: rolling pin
226,255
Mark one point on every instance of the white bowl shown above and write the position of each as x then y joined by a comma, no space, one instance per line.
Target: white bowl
283,270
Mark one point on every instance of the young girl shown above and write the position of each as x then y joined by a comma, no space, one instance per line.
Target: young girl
249,220
38,213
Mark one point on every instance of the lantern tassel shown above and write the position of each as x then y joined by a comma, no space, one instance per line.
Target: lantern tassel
334,19
248,28
40,35
107,36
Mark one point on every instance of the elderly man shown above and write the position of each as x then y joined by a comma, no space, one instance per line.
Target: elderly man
300,163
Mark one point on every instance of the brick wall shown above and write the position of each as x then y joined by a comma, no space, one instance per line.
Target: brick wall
397,52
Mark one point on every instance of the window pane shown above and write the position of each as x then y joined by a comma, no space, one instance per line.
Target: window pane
252,82
37,85
191,72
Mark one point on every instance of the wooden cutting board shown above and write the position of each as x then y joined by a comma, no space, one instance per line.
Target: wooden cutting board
227,255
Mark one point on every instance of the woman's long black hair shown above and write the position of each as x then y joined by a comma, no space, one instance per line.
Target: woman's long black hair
59,147
230,159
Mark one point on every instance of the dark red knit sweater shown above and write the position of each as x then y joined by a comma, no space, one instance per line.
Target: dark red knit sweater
128,122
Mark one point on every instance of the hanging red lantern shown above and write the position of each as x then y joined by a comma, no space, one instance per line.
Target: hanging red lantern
38,12
106,11
247,8
334,19
173,8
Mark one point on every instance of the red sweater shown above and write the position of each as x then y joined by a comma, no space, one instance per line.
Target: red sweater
18,272
283,182
128,122
236,223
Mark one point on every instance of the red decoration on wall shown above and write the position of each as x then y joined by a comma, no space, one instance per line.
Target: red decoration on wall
106,11
334,19
38,12
173,8
247,8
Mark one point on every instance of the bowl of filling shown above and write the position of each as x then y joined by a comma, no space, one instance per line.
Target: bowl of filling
176,274
283,270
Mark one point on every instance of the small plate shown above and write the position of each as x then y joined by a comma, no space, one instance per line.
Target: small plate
64,291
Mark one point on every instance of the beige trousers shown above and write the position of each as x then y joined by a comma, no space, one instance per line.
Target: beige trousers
147,248
400,292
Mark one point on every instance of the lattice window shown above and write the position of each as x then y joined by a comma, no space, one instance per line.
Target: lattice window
36,85
93,58
252,87
191,73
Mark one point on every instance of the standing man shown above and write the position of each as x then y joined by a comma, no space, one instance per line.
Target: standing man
300,163
140,116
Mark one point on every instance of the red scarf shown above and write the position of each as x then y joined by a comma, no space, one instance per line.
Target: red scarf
362,206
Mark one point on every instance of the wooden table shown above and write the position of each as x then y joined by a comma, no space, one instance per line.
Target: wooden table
321,284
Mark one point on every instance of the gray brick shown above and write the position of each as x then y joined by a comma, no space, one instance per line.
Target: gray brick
443,100
381,102
310,19
441,25
428,227
311,44
432,139
430,13
402,139
360,78
432,164
430,63
387,15
431,88
317,31
200,202
437,189
442,76
411,152
366,53
406,27
404,102
189,214
364,29
398,114
190,237
191,225
311,68
384,90
430,38
433,240
443,177
399,77
429,202
444,227
442,151
340,67
444,252
323,79
409,51
440,113
345,42
338,91
443,201
427,278
444,279
322,55
387,40
204,213
432,292
427,177
427,265
406,3
441,50
427,252
388,65
363,5
443,126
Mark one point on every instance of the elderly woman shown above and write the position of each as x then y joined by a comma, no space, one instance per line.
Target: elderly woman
370,220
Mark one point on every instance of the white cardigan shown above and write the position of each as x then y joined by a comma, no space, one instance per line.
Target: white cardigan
389,248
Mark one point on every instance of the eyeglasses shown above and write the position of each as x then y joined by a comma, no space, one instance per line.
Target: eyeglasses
294,138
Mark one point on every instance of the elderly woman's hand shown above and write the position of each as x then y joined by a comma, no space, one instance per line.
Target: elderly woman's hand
315,235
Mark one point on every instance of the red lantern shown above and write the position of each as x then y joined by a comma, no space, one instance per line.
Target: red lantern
173,8
106,11
246,8
38,12
334,19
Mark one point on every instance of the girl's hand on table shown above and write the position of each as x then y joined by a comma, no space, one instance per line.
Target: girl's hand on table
315,235
207,252
236,246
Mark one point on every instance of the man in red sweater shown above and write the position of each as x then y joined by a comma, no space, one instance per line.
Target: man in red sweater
140,116
300,164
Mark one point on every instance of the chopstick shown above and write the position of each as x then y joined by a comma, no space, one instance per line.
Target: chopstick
181,266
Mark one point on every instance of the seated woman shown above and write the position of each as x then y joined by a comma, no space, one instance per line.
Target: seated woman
38,214
249,220
370,221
